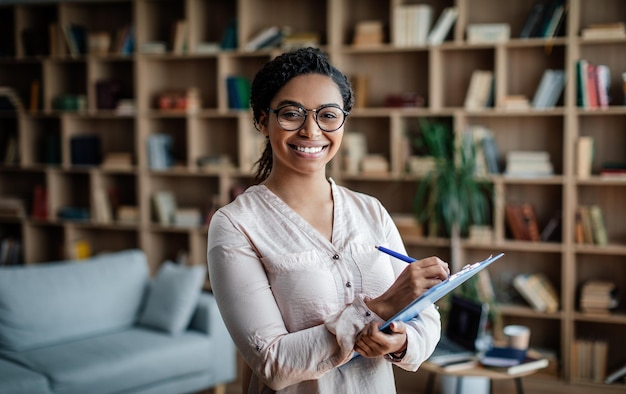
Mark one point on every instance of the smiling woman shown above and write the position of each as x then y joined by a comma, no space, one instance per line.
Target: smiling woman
293,260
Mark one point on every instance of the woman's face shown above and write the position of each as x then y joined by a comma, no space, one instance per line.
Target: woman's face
308,149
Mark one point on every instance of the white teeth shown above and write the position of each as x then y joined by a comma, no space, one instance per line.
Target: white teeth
308,150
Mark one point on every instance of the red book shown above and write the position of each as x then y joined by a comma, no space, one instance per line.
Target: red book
40,203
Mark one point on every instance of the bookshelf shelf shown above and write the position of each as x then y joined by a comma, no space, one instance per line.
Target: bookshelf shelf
216,133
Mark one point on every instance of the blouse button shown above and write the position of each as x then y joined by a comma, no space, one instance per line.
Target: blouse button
348,284
368,313
336,257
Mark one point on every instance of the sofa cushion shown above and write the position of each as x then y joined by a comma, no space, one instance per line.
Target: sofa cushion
17,379
54,302
172,297
120,361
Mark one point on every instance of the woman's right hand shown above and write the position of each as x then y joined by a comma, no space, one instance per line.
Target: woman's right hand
414,280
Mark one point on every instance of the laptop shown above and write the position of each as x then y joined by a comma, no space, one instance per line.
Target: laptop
466,322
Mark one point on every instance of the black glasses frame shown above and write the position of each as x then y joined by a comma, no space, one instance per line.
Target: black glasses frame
306,114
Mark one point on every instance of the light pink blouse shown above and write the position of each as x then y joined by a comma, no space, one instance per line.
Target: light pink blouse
293,302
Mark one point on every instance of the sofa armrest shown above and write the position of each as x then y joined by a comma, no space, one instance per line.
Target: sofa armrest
208,320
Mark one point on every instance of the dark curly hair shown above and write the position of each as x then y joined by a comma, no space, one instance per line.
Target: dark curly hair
276,73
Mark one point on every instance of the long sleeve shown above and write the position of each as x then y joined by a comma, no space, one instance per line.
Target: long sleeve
294,302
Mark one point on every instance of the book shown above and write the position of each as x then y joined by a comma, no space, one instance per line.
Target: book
262,38
522,221
526,365
533,19
164,204
549,89
615,375
604,30
411,24
503,357
443,25
584,156
539,284
520,283
479,91
459,365
597,225
180,39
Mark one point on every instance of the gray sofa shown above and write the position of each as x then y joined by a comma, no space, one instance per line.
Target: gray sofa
102,325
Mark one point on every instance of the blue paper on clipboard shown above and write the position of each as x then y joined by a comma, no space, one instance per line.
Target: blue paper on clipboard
438,291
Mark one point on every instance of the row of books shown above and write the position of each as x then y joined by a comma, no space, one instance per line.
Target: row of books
588,361
545,19
590,226
413,25
10,251
593,83
549,90
598,297
480,92
538,291
81,41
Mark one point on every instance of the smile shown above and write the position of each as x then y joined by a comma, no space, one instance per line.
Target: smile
315,149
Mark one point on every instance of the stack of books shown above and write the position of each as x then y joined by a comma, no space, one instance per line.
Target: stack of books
604,31
598,297
528,164
513,361
538,291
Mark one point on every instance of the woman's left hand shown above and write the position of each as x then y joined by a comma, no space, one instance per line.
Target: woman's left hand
371,342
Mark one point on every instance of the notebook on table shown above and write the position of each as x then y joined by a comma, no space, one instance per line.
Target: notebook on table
466,322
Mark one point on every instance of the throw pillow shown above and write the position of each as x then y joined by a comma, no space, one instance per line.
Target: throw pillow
172,297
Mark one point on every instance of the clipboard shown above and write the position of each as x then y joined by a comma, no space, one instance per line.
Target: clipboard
436,292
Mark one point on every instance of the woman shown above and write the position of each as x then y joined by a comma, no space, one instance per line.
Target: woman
292,260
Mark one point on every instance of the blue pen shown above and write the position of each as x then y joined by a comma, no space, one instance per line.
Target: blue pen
396,254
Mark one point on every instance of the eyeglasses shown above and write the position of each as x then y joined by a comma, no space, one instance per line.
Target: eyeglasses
291,117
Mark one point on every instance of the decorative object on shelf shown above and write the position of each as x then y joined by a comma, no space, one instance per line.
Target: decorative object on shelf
522,221
354,149
70,102
98,43
404,100
450,192
368,33
584,156
481,33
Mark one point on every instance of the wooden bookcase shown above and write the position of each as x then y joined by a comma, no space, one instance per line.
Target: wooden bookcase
441,74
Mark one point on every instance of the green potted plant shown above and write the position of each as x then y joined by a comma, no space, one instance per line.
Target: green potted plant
450,197
450,194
